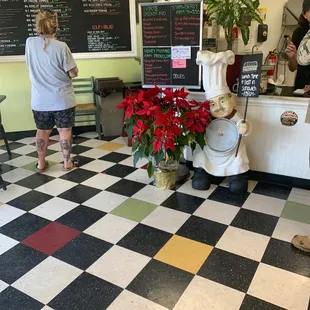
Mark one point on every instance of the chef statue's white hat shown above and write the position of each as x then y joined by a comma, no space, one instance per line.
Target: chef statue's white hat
215,71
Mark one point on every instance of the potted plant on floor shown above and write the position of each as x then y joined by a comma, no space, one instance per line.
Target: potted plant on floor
231,13
161,123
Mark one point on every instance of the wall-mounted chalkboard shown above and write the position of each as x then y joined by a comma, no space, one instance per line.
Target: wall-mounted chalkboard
92,29
171,36
250,75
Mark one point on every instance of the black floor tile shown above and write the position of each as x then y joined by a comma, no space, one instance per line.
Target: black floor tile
115,157
224,195
13,299
80,193
48,153
29,200
145,240
229,269
272,190
183,202
79,149
5,157
83,160
18,261
283,255
81,218
79,140
252,303
126,188
6,168
86,292
13,146
108,139
120,171
35,180
255,221
202,230
83,251
24,226
78,175
156,280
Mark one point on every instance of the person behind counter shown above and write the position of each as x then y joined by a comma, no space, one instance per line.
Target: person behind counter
303,73
51,67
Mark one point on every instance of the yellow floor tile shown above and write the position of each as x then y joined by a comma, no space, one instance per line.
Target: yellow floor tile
2,142
184,254
111,146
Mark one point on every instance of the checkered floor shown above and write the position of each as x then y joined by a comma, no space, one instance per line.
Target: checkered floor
102,237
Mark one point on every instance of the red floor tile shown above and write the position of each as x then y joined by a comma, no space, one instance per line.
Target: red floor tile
51,238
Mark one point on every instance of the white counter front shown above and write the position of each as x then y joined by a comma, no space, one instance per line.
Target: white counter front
273,147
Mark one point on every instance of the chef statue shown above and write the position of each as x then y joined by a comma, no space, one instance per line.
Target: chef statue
222,106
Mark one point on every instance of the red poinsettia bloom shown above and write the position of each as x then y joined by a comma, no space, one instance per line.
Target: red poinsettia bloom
148,108
140,129
164,137
197,120
180,93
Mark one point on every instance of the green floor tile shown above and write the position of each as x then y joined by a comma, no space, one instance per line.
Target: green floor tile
296,212
135,210
31,167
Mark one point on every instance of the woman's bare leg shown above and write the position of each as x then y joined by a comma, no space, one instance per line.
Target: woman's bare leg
42,139
65,135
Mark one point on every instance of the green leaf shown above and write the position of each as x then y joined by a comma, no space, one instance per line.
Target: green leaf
245,31
159,156
135,145
212,8
183,140
256,4
136,158
129,129
249,4
256,17
193,146
150,169
200,139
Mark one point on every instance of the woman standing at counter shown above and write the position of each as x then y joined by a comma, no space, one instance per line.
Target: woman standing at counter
51,68
303,73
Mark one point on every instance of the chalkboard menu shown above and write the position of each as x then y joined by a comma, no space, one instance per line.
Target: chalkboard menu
95,28
250,75
171,37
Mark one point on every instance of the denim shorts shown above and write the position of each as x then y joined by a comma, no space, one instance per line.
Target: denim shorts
60,119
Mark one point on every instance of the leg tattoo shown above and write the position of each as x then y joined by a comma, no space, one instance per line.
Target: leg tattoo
40,145
66,148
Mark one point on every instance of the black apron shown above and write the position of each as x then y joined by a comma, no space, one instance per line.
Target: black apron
302,77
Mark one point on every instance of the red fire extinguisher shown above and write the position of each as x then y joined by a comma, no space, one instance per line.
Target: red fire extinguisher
272,61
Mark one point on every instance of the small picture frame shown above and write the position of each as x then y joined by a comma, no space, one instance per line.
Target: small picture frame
137,8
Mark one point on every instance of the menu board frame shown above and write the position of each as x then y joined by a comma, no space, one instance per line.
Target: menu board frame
98,55
191,86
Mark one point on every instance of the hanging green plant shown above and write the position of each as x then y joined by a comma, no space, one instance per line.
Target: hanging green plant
230,13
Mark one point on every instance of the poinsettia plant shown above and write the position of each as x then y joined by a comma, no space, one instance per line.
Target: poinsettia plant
162,122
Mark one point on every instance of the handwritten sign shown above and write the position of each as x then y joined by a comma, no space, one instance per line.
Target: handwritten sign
250,75
179,63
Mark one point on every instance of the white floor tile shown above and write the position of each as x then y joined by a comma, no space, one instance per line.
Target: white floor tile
24,150
217,212
56,158
16,175
119,266
131,301
280,287
209,295
287,229
120,140
187,189
47,280
55,147
93,143
3,286
6,243
101,181
264,204
105,201
28,140
56,187
56,171
153,194
94,153
140,176
111,228
55,138
129,162
98,165
300,195
13,191
125,150
20,161
89,135
2,151
244,243
166,219
54,208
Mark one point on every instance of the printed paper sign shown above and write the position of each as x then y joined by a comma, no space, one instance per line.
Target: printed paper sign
181,52
178,63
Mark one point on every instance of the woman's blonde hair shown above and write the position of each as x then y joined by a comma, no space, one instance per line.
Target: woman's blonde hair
46,23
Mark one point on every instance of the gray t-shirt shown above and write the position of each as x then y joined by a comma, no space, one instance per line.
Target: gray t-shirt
52,88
